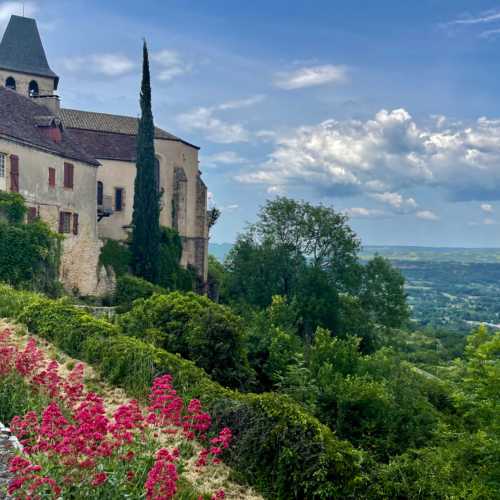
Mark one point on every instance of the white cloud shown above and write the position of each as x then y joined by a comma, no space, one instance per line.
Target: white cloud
170,65
427,215
230,208
487,208
489,222
216,129
485,17
311,76
242,103
396,201
8,9
276,190
111,65
364,213
224,158
387,154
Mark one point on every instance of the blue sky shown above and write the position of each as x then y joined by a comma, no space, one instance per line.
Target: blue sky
387,110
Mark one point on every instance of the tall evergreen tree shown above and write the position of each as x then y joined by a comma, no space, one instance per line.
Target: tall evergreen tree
146,217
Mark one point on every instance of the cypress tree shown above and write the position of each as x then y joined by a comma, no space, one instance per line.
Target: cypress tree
146,216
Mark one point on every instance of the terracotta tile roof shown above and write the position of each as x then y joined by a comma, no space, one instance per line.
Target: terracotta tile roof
20,120
104,122
21,49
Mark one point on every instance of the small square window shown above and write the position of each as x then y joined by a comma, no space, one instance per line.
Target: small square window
2,164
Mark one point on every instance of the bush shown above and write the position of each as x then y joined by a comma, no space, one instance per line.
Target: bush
115,255
13,302
29,256
130,288
278,447
12,207
197,329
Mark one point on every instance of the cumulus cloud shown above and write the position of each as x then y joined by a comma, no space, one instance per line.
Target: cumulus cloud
223,158
8,9
170,65
311,76
208,121
364,213
110,65
396,201
427,215
487,208
387,154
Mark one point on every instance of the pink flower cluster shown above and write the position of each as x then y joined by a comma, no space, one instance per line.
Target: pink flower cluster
79,441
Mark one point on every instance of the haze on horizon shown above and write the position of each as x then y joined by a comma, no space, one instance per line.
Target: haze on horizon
389,111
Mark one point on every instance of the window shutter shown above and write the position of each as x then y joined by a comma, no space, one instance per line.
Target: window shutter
68,175
75,223
14,173
32,214
61,222
52,177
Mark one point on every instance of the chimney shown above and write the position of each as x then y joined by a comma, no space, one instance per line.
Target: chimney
50,126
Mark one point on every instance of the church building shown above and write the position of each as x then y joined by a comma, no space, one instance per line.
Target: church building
76,169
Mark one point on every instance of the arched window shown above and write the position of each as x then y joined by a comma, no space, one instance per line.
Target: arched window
10,83
100,193
33,89
157,174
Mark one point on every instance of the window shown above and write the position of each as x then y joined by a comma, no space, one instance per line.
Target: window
10,83
2,165
100,193
52,177
64,222
119,195
14,173
68,175
33,89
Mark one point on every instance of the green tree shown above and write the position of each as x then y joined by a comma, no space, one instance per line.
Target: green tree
382,293
146,215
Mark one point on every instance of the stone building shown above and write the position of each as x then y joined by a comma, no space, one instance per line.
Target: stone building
76,169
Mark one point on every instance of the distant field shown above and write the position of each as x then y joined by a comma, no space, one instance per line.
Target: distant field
449,287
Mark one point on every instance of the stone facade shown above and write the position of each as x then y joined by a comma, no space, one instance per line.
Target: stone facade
101,149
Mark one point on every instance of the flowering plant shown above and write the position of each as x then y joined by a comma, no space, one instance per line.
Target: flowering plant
77,448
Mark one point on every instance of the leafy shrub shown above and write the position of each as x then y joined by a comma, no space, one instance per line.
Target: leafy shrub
29,256
130,288
115,255
197,329
12,207
13,302
278,447
63,324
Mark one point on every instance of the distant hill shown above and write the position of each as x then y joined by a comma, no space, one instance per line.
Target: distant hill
405,253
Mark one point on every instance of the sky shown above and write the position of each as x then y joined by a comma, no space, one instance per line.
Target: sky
387,110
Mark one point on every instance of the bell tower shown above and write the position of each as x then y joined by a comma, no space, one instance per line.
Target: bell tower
23,63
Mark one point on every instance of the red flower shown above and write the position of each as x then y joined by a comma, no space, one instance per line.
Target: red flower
99,478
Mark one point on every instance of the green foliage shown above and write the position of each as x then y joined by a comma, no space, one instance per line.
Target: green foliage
12,207
215,279
146,235
29,256
171,275
197,329
116,255
13,302
278,447
382,293
130,288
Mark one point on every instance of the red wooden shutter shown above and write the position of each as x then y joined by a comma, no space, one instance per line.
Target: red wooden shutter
52,177
32,214
68,175
14,173
61,222
75,223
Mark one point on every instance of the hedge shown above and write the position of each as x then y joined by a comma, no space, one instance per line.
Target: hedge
130,288
278,447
